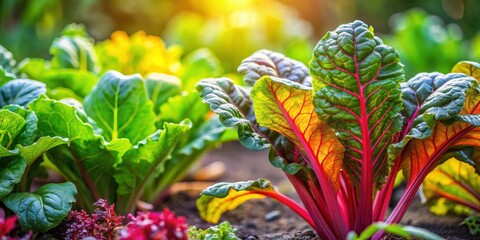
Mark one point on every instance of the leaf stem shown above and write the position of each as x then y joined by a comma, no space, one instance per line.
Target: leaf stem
84,173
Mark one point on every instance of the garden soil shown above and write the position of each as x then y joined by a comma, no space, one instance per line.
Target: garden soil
268,219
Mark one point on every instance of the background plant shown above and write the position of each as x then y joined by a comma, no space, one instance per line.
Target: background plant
342,142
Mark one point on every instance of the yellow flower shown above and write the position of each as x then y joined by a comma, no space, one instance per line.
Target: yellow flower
139,53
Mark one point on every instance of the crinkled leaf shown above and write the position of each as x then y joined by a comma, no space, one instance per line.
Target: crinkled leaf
11,172
11,125
61,82
232,104
43,209
21,92
269,63
457,131
160,87
222,231
120,106
432,97
356,83
74,50
287,107
222,197
201,63
452,187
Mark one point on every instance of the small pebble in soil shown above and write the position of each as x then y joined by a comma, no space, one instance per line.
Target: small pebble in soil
272,216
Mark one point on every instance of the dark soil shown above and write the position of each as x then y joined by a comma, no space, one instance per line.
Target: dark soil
268,219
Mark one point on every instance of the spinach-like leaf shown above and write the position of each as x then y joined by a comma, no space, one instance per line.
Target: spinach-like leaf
43,209
11,172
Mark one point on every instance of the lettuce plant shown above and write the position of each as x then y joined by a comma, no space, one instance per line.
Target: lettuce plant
343,132
222,231
21,150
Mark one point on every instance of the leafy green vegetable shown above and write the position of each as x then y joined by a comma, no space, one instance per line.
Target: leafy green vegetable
473,224
44,208
120,107
222,231
344,138
21,92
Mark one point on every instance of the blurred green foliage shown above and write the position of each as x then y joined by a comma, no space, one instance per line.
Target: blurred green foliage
427,44
233,29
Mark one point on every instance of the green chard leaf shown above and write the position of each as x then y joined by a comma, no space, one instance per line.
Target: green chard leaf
269,63
120,106
74,49
160,87
234,107
356,84
21,92
43,209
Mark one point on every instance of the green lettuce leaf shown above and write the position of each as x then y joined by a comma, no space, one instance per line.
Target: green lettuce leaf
120,106
356,83
43,209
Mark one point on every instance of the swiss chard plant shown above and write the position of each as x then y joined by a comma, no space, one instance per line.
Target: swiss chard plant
21,151
342,129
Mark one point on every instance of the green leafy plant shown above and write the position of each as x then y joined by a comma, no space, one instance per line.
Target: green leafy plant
71,75
343,133
21,150
222,231
114,148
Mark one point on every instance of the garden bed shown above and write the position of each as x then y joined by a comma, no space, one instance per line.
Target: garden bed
251,218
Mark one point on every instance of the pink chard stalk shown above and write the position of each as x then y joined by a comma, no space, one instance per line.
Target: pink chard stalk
343,129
